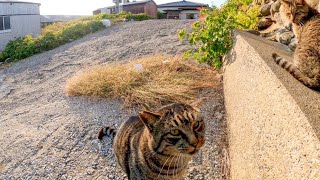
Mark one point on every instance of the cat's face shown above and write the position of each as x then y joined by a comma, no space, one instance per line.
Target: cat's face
176,129
293,11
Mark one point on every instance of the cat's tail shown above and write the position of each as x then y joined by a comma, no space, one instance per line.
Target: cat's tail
107,131
292,69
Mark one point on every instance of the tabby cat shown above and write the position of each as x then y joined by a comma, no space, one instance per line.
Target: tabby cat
306,26
158,145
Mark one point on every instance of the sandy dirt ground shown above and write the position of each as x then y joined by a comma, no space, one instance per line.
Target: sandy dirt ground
46,135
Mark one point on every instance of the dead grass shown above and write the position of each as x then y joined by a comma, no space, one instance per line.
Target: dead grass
4,65
164,79
2,167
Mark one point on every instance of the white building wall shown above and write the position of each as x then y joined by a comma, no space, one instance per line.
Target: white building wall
183,16
185,13
105,10
18,8
24,19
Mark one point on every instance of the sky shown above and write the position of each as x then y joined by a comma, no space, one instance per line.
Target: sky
85,7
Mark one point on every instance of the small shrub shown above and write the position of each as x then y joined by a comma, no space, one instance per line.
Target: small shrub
211,36
244,12
2,57
137,17
27,46
161,15
48,41
60,33
21,48
122,15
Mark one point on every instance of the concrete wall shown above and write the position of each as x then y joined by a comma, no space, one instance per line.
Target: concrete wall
187,13
24,19
134,8
273,120
105,10
151,9
15,8
173,14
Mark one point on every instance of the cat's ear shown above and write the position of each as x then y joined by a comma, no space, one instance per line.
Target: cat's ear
149,118
300,2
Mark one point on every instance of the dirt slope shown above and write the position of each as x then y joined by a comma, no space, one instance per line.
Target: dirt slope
44,134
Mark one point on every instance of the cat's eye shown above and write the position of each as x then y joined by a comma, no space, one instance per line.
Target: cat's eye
172,140
196,125
175,132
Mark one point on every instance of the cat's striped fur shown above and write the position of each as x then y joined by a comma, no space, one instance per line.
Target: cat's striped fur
313,82
107,131
159,145
306,26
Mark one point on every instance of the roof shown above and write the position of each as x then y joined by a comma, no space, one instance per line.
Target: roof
59,18
183,4
137,2
126,4
24,2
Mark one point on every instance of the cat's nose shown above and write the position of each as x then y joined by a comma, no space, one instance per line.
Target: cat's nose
191,149
193,141
288,26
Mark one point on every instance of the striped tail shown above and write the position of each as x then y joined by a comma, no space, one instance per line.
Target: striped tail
292,69
107,131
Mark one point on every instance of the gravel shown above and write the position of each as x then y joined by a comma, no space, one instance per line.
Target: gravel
44,134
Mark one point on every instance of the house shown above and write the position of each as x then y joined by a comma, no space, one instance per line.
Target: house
105,10
182,9
49,19
18,19
148,7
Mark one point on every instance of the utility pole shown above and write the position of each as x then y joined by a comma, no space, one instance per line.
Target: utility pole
117,8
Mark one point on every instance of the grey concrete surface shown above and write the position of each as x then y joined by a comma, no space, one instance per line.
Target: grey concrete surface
308,100
273,120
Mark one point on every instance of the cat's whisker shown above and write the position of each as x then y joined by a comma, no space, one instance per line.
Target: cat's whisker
152,154
174,165
170,165
180,159
164,165
175,171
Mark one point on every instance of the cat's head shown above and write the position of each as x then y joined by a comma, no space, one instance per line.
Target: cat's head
293,11
175,129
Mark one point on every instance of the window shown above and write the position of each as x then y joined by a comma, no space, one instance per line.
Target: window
5,23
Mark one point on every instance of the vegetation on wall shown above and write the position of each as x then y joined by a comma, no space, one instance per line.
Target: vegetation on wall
244,12
60,33
211,36
53,36
121,16
161,15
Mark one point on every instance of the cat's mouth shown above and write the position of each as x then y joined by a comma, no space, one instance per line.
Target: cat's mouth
191,150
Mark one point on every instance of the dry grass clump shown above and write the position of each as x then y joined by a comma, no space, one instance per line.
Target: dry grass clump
164,79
